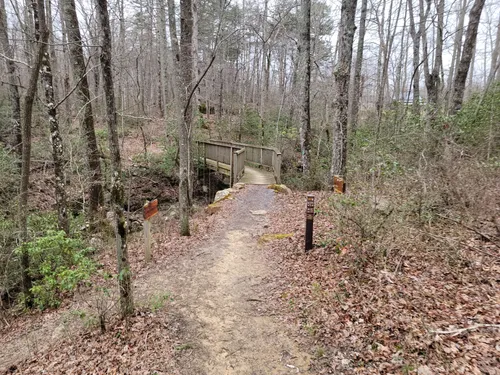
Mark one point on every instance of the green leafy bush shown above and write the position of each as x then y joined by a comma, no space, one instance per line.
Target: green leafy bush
58,264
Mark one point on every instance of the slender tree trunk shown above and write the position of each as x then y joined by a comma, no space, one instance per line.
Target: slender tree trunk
57,144
117,190
468,51
41,38
342,78
87,122
162,21
415,36
15,100
432,77
305,116
172,27
186,86
495,61
356,90
457,50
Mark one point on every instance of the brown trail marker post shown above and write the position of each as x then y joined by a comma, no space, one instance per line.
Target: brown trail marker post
150,210
338,184
309,221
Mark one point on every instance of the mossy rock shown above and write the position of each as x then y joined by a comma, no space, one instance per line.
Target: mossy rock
213,208
274,236
283,189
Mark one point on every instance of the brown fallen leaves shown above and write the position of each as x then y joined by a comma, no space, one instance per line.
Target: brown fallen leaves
143,344
373,306
139,345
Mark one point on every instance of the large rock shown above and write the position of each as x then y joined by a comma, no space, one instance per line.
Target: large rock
283,189
223,194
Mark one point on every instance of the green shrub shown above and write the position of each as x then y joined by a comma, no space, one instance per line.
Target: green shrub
10,176
478,121
58,264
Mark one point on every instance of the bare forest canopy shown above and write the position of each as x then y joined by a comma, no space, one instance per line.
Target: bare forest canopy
256,46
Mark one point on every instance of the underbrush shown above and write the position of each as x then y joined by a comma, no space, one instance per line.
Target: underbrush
58,264
402,263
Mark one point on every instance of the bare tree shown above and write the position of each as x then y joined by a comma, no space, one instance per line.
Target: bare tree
495,60
41,38
342,78
56,142
117,190
432,77
356,90
468,51
305,116
186,91
15,100
80,76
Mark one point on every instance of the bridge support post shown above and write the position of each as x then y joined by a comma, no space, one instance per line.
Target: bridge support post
231,168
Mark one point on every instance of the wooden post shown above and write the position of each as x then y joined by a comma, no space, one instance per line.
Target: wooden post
150,210
309,221
147,239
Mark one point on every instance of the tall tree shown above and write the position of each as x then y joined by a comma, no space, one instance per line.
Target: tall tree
342,75
305,116
41,39
495,60
416,34
186,91
457,50
467,54
83,92
356,91
117,190
433,77
56,142
15,99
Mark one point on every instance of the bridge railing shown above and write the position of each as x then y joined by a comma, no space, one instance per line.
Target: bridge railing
264,156
223,157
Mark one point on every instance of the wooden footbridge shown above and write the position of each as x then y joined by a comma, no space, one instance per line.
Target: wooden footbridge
240,162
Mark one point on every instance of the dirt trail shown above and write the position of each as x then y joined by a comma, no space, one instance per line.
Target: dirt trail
221,317
220,295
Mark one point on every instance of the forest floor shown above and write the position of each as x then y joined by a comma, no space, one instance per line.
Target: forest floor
204,307
240,295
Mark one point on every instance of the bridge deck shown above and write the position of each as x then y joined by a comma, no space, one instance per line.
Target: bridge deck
257,176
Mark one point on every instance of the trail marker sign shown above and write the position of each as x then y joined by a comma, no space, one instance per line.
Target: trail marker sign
338,184
150,209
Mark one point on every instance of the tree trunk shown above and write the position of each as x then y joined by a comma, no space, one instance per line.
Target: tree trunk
432,78
495,61
117,191
342,78
41,38
356,90
468,51
15,100
457,50
305,116
415,36
162,21
186,87
57,144
83,92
